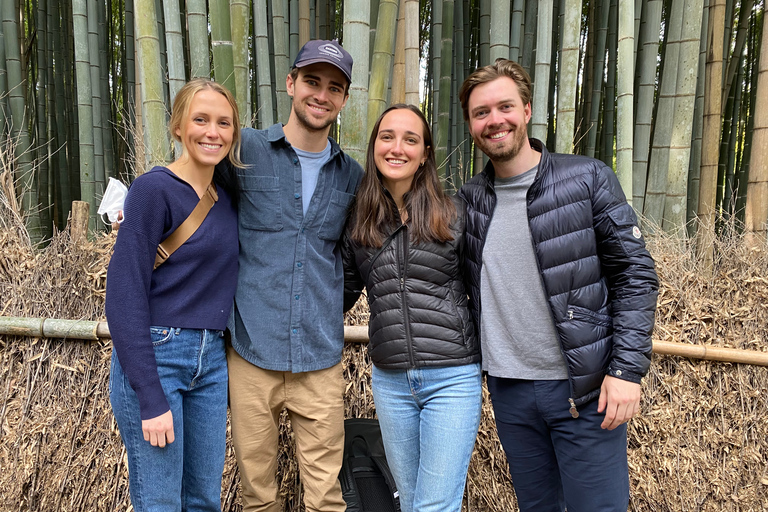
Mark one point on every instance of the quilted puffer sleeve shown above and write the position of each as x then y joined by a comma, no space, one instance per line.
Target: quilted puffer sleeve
631,275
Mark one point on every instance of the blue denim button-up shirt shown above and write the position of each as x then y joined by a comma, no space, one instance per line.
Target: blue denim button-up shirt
288,307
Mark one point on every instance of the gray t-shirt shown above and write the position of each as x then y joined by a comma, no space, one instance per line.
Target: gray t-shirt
311,163
518,334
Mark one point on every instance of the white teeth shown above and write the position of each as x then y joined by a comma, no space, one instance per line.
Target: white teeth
396,162
498,135
210,146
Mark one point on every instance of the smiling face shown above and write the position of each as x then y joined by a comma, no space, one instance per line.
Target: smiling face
498,119
207,131
318,93
399,149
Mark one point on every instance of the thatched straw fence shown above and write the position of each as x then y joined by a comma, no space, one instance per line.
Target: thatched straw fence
700,444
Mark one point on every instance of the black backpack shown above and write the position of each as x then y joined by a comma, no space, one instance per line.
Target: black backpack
366,482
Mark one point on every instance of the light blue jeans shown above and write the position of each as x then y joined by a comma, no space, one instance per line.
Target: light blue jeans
429,419
184,475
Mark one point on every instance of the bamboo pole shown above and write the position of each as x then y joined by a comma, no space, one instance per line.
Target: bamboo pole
94,330
709,353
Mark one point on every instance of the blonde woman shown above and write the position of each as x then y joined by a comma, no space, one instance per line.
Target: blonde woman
168,381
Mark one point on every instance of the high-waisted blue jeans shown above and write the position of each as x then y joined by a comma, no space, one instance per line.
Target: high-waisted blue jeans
429,419
186,474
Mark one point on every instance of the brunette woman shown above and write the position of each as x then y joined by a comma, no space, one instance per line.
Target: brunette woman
404,244
168,381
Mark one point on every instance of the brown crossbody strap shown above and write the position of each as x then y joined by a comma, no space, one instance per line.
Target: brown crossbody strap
188,227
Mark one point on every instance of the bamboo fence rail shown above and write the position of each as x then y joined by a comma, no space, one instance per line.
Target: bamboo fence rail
93,330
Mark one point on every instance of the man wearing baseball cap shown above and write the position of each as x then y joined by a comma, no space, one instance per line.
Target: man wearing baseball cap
286,329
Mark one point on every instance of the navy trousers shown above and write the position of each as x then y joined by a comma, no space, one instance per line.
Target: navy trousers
556,461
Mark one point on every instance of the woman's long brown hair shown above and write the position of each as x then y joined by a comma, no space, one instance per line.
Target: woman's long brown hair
430,210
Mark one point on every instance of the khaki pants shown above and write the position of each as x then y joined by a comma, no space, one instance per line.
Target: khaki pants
315,404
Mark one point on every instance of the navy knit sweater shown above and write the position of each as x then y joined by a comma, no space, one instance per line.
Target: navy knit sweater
193,289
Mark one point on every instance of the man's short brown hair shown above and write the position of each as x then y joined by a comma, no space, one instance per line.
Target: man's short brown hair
500,68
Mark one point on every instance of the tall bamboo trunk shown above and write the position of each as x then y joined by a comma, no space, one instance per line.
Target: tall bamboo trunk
569,70
264,74
412,67
197,27
756,213
624,100
153,112
221,42
282,65
541,85
381,64
442,139
354,117
711,132
240,32
398,68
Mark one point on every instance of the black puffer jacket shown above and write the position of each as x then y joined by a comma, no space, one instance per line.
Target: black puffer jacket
598,277
418,304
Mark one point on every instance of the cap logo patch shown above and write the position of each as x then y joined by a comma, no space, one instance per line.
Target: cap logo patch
636,232
330,50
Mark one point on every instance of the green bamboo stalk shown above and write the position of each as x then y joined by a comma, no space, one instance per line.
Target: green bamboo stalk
265,107
43,139
529,37
293,28
442,138
381,64
729,193
57,125
397,94
711,132
412,52
221,42
609,103
354,117
540,106
304,32
566,91
646,64
174,44
499,30
94,46
282,64
84,108
485,33
756,213
24,171
153,111
106,103
516,30
435,60
197,23
240,32
694,167
598,73
624,102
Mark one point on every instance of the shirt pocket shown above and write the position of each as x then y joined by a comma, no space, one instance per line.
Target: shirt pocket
260,203
335,215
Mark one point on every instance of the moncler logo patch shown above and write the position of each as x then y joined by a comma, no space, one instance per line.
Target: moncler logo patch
636,232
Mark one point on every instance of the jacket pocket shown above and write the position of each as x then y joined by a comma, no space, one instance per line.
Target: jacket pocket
589,316
335,215
260,203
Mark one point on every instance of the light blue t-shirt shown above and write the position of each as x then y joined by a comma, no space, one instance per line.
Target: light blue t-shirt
311,163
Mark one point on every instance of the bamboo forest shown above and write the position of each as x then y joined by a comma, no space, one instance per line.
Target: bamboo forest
670,93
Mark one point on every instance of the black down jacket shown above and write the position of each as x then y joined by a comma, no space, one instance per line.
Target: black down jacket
598,277
418,304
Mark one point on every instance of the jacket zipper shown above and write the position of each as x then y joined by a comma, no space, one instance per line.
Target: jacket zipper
406,318
572,405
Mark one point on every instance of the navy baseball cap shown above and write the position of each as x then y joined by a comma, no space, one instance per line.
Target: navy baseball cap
330,52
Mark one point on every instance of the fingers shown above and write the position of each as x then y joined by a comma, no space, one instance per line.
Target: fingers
158,431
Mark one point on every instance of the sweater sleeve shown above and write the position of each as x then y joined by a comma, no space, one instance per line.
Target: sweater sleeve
129,279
